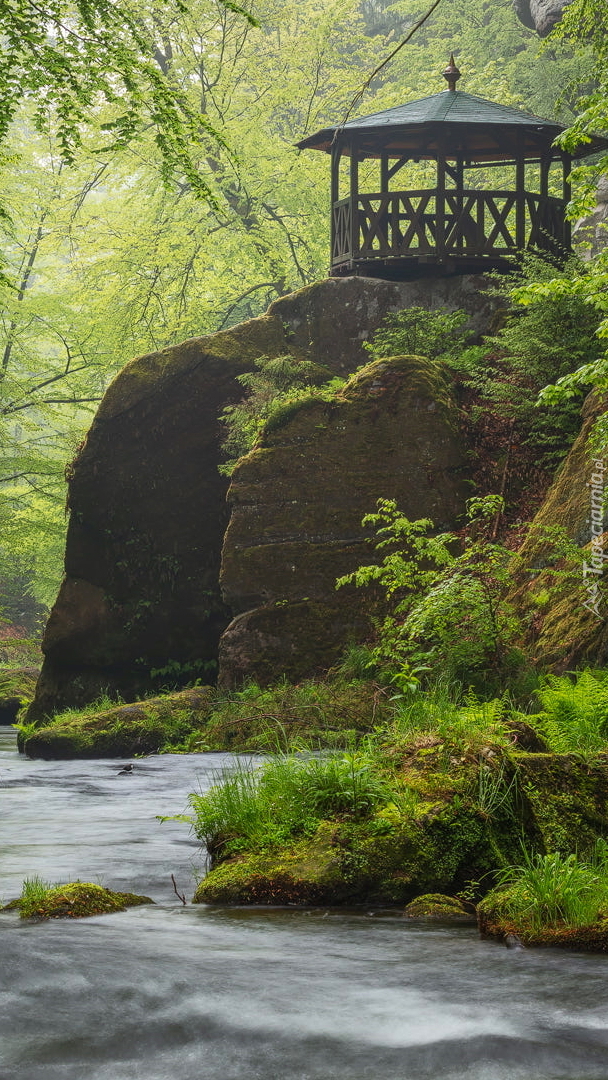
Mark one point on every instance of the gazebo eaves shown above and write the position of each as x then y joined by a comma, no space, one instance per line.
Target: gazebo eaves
442,110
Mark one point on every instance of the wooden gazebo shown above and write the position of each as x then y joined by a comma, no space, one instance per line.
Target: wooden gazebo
455,226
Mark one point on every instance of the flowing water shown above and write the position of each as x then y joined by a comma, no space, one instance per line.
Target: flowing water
166,992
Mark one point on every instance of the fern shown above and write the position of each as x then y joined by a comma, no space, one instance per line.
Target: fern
575,714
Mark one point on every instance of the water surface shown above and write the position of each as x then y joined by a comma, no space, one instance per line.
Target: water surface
165,992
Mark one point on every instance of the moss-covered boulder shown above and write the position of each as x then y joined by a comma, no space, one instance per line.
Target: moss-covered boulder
439,907
143,727
297,503
496,921
308,872
363,863
76,900
461,828
17,688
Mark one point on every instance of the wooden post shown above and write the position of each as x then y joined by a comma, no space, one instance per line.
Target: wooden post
520,194
354,200
545,165
440,204
384,173
336,154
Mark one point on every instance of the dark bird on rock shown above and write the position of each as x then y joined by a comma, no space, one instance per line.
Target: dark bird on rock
126,769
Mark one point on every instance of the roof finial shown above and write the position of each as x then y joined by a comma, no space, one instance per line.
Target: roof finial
451,73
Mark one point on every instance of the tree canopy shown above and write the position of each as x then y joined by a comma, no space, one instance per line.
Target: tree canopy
69,56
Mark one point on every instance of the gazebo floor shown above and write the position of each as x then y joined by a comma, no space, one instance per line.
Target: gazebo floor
405,268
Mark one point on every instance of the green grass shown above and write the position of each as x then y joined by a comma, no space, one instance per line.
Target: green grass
34,892
464,725
285,718
287,797
550,891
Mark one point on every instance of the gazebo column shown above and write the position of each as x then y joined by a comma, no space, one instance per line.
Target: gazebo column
336,154
384,173
520,193
354,202
440,204
545,165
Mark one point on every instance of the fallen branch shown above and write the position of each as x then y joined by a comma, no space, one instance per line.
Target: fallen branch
178,894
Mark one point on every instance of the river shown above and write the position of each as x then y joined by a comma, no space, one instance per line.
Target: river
167,992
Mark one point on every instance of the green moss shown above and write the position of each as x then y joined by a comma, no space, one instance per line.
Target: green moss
438,906
76,900
303,873
402,375
144,727
565,800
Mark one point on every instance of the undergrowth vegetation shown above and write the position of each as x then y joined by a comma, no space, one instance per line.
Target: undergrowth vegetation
551,891
575,713
285,798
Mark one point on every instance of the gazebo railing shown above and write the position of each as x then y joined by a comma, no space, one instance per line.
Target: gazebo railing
399,224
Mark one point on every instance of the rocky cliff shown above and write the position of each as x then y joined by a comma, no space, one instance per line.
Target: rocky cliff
539,15
141,604
297,502
561,593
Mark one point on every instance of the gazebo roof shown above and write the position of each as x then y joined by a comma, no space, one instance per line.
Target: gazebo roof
465,123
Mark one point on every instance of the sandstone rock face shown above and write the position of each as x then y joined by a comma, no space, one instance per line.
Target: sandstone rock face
564,626
590,234
148,515
328,322
297,503
540,15
141,606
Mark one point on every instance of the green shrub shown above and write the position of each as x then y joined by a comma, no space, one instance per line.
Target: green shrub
416,331
276,383
445,609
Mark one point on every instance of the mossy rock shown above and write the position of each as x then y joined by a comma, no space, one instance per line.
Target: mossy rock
564,800
308,872
548,594
123,731
495,921
367,862
438,906
450,838
298,500
17,688
77,900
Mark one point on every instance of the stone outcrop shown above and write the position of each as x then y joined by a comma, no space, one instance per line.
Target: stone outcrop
148,516
539,15
590,234
144,727
141,607
557,802
297,503
552,591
